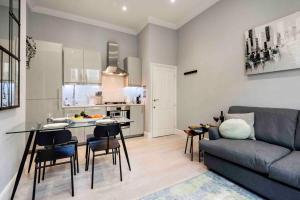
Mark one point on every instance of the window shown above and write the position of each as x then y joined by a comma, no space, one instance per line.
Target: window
9,54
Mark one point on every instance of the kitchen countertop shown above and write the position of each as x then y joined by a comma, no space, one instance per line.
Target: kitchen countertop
102,105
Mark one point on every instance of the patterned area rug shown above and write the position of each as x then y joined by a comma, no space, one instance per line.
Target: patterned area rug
207,186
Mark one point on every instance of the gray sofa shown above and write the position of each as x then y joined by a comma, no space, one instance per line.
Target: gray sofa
269,165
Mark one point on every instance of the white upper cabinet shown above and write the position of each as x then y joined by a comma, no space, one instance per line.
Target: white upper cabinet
44,77
73,65
134,69
92,66
82,66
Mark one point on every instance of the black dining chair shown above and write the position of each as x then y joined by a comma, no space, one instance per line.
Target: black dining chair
56,147
89,138
106,135
73,140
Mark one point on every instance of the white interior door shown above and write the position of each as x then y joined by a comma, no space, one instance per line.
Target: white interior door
163,100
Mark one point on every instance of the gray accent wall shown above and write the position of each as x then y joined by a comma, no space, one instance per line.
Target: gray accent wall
213,44
79,35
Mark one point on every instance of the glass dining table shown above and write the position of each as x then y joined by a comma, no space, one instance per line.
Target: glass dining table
31,128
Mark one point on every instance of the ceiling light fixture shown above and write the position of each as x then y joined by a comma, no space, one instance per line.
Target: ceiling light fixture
124,8
172,1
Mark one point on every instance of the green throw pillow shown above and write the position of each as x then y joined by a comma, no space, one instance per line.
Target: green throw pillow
237,129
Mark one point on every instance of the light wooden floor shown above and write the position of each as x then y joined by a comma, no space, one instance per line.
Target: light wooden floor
156,164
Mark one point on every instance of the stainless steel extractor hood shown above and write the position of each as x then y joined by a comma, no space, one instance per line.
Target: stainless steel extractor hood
112,67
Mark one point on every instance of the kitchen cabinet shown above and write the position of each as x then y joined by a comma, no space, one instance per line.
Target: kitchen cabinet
133,67
44,83
137,115
93,111
38,110
73,65
82,66
44,77
78,132
126,132
92,66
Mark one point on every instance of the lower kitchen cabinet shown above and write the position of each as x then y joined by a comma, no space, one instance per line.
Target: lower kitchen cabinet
126,132
136,127
78,132
93,111
38,110
137,115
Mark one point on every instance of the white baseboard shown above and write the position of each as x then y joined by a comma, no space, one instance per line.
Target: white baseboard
147,134
6,192
179,132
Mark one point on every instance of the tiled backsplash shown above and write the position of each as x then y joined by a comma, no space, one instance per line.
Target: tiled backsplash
113,90
79,94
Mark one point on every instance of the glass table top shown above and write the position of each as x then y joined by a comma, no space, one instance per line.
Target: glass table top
37,126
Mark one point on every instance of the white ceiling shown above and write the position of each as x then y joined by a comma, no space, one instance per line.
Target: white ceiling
109,13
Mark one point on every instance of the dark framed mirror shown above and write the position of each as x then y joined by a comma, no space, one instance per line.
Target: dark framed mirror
9,54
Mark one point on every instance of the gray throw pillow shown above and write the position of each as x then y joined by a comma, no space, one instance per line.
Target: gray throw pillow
248,117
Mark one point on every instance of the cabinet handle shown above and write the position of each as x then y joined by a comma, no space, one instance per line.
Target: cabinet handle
82,75
58,98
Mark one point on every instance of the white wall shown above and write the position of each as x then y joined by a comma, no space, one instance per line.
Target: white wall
213,42
12,146
79,35
156,45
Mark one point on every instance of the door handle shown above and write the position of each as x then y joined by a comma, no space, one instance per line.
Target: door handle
155,100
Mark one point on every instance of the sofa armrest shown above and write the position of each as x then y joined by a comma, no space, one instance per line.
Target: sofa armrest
214,133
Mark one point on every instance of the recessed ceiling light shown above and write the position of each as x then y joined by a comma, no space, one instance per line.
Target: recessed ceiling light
124,8
172,1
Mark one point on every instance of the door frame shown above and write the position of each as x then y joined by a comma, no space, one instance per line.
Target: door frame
152,66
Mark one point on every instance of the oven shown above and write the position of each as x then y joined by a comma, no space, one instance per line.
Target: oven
119,111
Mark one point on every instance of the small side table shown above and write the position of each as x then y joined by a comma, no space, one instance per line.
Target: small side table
191,133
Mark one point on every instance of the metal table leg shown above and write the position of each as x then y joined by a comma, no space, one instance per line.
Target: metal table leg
21,167
125,148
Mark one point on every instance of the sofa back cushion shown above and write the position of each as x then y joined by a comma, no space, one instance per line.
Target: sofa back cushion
272,125
297,137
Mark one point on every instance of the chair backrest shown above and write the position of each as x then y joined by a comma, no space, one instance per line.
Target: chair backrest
50,138
108,130
272,125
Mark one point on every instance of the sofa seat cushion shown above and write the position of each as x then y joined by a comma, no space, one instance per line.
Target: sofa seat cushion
252,154
287,169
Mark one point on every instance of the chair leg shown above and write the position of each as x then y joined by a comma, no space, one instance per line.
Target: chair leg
34,182
86,157
187,140
39,176
72,181
192,148
88,160
112,155
93,166
86,149
74,165
120,165
115,156
77,159
44,168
